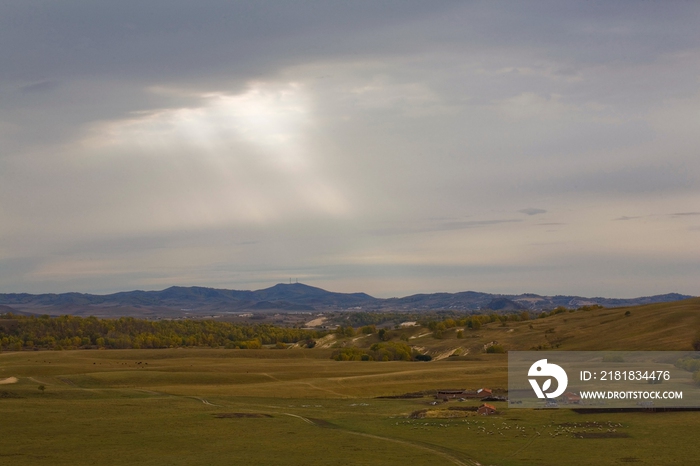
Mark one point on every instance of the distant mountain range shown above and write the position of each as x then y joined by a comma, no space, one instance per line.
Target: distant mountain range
196,300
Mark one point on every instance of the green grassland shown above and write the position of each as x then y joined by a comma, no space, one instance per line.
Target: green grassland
298,406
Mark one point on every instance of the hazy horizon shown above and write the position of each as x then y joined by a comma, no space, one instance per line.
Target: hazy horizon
390,147
504,293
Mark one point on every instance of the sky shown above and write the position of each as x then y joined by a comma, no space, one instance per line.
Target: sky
390,147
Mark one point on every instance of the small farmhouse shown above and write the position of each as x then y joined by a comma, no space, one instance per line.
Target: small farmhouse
486,410
571,398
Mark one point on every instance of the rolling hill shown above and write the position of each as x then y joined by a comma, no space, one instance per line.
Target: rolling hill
651,327
178,301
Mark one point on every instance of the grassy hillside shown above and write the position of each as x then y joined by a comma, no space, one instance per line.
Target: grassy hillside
666,326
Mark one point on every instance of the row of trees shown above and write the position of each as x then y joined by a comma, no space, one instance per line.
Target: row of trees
70,332
385,351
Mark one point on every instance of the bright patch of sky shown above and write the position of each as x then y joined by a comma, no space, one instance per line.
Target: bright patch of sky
386,147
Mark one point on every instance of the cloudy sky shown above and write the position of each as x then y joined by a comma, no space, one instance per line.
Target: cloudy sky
391,147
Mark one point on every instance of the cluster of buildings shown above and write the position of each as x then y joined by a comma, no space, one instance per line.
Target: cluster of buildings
483,394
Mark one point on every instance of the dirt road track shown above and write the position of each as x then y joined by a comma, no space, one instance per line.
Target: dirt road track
447,456
204,401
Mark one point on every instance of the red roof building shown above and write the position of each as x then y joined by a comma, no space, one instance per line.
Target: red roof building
486,410
571,398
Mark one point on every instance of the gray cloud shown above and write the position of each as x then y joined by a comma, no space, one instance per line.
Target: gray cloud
636,180
422,227
235,143
41,86
532,211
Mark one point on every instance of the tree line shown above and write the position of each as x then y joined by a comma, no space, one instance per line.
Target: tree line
72,332
385,351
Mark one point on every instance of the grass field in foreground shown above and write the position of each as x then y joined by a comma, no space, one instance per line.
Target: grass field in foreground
161,406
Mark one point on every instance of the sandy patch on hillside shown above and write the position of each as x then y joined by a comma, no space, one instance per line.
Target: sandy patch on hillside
8,381
316,322
326,341
449,353
361,336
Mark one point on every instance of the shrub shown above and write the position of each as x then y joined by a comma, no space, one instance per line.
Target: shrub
690,365
350,354
496,349
696,342
345,331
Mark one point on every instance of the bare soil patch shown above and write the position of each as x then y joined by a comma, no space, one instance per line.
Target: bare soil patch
316,322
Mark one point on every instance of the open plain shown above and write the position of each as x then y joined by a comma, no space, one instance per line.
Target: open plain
221,407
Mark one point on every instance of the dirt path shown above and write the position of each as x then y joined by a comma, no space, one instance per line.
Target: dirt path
343,395
308,421
385,374
435,451
8,381
204,401
151,392
447,456
38,381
